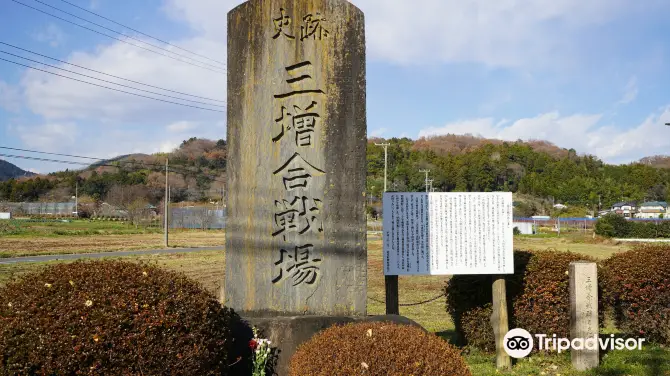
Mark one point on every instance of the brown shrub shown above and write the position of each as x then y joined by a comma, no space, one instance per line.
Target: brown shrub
538,298
391,350
636,284
544,304
111,318
468,295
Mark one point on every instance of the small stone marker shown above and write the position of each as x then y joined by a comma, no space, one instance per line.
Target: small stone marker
584,313
296,230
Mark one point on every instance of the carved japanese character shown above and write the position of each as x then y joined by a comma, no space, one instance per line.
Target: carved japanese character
298,216
294,70
299,264
301,121
297,172
281,23
313,27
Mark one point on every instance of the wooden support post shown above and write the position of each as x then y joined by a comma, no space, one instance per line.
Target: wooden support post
392,305
499,321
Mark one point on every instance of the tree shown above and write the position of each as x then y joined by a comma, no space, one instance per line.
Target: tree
137,210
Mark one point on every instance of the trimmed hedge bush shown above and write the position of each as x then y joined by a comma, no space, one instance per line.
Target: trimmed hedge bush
377,349
537,296
544,304
111,318
468,295
636,284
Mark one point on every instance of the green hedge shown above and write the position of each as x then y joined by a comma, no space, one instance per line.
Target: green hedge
616,226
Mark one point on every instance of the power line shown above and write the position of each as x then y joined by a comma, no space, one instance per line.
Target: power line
111,82
111,88
115,38
137,31
110,75
125,35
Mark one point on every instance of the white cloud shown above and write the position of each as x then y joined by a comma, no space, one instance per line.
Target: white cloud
52,35
10,99
495,33
378,132
181,126
631,91
49,136
34,170
582,132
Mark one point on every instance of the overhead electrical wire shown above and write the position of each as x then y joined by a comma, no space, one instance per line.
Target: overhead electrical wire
110,75
111,82
139,32
125,35
184,170
118,39
110,88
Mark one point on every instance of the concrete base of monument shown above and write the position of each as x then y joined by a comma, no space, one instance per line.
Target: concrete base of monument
289,332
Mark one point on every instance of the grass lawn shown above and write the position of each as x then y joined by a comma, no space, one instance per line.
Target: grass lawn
208,268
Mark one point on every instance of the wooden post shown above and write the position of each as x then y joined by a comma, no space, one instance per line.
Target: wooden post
499,321
392,305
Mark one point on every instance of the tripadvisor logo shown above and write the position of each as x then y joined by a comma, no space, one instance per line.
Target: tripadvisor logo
518,343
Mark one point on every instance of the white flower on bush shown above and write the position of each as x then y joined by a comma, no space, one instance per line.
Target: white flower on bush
260,353
47,285
9,305
88,303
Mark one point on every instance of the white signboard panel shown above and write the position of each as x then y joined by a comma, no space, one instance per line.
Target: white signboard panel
448,233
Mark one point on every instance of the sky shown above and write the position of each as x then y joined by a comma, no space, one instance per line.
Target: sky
589,75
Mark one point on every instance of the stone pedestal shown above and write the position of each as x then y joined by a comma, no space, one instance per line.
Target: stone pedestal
584,314
288,332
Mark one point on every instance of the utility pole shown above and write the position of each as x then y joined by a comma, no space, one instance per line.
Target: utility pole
426,172
76,199
430,183
385,145
167,202
390,281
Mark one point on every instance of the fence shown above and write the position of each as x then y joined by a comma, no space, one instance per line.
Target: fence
197,218
40,208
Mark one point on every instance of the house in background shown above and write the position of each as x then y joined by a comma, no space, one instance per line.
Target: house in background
625,209
560,206
652,209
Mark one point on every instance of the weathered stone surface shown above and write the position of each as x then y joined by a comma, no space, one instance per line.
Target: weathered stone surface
287,333
584,313
295,236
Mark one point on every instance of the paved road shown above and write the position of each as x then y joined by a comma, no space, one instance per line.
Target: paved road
105,254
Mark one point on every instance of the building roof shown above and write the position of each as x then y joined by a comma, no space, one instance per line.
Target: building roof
655,203
628,203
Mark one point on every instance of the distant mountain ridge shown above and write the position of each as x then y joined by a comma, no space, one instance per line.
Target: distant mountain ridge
9,171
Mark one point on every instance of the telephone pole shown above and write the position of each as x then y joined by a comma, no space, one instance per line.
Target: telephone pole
76,198
426,172
167,202
385,145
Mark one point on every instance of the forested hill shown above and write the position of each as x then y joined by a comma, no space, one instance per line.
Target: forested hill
9,171
535,169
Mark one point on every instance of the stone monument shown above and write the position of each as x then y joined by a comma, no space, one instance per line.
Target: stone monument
584,314
296,227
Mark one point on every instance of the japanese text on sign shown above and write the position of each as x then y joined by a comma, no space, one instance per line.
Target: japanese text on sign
448,233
